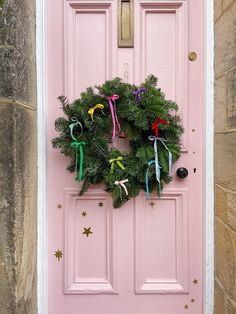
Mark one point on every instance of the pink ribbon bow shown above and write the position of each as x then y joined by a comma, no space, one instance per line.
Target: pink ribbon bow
112,103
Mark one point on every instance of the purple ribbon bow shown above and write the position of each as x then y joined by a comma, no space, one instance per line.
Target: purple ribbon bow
138,92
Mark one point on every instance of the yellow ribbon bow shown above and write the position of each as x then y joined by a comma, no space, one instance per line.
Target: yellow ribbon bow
118,161
91,110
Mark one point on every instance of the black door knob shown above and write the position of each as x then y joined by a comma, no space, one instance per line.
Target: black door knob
182,172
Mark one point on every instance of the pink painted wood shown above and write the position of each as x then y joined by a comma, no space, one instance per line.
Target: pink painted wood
144,257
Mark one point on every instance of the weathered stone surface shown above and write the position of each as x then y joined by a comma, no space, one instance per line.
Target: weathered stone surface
226,206
220,114
17,51
225,258
221,204
217,8
231,96
219,305
7,215
227,3
18,211
231,307
231,203
225,37
225,156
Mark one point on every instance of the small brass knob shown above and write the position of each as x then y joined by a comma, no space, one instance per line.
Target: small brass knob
192,56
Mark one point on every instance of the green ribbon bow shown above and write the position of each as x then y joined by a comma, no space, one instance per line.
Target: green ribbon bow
118,161
78,146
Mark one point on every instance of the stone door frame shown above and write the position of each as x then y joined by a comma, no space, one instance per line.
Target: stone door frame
41,40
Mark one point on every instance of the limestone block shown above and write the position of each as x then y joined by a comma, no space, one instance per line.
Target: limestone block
225,42
231,307
220,114
17,76
231,216
225,156
217,8
219,306
226,3
231,96
225,258
17,51
18,212
221,204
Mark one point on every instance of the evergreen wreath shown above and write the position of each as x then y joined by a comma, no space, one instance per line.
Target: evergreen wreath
149,122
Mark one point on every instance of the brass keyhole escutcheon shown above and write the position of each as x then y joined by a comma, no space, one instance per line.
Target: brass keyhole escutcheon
192,56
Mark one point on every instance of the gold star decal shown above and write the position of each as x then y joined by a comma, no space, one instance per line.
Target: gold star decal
58,254
195,281
87,231
152,204
186,306
59,206
100,204
192,300
84,214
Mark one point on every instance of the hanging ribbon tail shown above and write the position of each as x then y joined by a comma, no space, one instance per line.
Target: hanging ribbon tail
73,125
162,140
115,121
122,184
116,117
151,162
157,166
78,145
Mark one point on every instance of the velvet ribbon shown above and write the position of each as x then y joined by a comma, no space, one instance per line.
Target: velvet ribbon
157,165
118,161
138,92
122,184
112,103
72,125
155,125
78,146
91,110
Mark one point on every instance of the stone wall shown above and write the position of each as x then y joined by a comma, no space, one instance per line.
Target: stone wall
225,156
18,180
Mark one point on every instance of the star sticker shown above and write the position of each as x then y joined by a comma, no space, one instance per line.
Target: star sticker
87,231
59,206
195,281
58,254
84,214
192,300
152,204
100,204
186,307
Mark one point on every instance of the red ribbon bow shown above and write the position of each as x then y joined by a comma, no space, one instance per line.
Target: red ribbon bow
155,125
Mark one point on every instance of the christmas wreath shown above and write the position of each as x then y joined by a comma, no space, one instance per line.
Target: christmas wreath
149,122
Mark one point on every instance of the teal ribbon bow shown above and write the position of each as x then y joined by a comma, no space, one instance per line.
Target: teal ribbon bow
78,146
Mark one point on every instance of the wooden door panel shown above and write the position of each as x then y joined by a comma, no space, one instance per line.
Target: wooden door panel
161,243
89,44
90,261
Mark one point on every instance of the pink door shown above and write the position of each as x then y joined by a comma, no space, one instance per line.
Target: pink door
146,257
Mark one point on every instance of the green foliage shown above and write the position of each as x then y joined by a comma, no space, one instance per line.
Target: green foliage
136,117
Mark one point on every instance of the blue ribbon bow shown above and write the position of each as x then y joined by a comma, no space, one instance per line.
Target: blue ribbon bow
156,161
